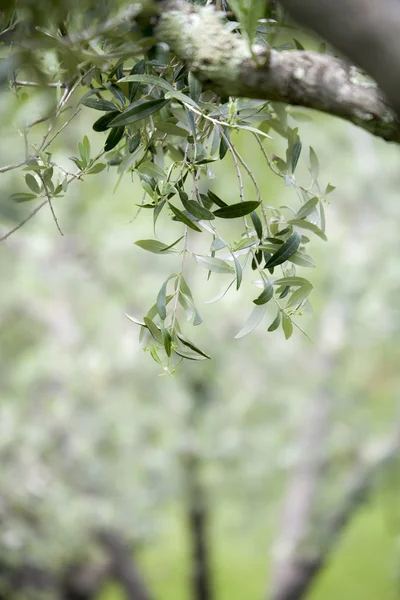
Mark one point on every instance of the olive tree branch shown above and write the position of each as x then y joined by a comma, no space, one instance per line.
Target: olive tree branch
224,62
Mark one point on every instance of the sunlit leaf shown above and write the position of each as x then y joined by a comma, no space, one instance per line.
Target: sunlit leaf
254,319
309,226
307,208
299,295
217,265
287,326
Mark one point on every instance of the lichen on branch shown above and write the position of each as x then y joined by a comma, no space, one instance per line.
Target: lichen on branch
224,62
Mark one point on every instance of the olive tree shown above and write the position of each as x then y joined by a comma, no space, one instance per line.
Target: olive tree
171,89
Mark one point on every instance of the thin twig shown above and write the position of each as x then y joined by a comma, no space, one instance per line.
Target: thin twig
60,84
67,122
48,196
28,218
11,167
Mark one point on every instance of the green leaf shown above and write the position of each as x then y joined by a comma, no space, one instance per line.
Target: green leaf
189,355
216,199
299,295
148,80
99,104
287,326
156,246
266,294
198,211
97,168
154,330
329,189
183,218
239,272
285,251
217,244
113,138
217,265
171,129
194,87
253,320
192,346
133,87
236,210
257,224
302,260
104,122
84,150
162,300
296,155
314,165
292,281
182,98
224,146
32,183
309,226
276,322
307,208
136,321
152,170
22,197
166,336
137,111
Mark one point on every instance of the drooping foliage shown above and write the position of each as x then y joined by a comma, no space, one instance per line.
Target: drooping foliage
163,128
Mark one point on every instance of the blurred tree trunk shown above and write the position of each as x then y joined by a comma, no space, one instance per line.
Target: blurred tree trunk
122,566
196,499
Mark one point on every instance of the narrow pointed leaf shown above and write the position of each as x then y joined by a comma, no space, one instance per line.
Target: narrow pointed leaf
196,209
148,80
285,251
309,226
234,211
156,246
190,345
307,208
183,218
99,104
254,319
302,260
257,224
162,301
287,326
276,322
266,294
113,138
292,281
239,272
137,111
299,295
217,265
104,122
154,330
216,199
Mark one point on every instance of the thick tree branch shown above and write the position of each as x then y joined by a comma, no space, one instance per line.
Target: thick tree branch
223,61
304,568
366,31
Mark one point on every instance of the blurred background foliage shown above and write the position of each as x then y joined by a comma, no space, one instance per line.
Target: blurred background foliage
92,438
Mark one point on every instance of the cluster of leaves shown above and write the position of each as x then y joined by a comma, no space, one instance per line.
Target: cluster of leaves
166,131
